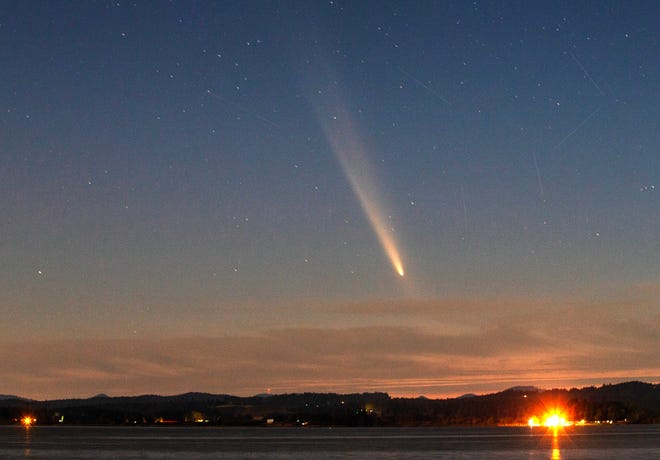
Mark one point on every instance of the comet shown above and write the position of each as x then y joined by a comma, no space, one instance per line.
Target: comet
347,146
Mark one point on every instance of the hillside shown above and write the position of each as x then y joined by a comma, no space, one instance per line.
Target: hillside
631,402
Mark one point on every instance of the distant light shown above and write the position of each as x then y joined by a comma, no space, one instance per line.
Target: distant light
28,421
555,419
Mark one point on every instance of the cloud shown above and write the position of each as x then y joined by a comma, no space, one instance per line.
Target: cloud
394,359
440,347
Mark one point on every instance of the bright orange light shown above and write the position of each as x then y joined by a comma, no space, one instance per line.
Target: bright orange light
27,421
555,419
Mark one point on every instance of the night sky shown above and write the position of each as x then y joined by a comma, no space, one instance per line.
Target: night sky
218,196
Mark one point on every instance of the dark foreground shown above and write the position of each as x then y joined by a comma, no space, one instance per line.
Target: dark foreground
586,442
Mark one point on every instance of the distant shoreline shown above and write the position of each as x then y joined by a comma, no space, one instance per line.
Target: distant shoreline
625,403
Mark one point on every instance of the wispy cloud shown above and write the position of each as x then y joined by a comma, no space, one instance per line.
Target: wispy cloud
495,343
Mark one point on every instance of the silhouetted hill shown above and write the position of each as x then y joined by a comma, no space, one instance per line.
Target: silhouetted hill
5,397
631,402
526,389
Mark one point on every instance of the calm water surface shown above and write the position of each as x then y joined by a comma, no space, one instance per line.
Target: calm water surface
590,442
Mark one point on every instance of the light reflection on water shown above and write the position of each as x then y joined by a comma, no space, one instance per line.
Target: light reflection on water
555,455
27,451
117,443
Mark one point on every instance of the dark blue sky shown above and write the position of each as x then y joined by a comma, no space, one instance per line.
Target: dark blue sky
188,169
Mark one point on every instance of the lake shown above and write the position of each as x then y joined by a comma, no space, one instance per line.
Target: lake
585,442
